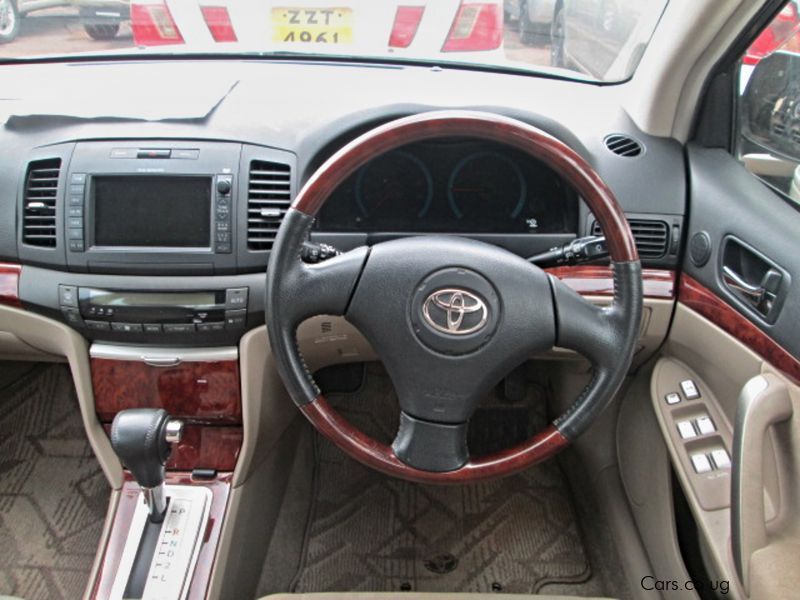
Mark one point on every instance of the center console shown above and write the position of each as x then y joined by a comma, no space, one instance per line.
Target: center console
171,557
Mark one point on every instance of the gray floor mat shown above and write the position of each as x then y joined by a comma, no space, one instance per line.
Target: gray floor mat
53,495
367,532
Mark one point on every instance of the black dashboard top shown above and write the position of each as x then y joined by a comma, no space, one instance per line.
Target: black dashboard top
304,111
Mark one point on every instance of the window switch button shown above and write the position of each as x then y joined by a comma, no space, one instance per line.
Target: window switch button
721,458
705,425
672,398
689,389
701,463
686,429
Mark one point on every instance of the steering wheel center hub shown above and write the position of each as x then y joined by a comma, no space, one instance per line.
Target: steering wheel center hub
455,311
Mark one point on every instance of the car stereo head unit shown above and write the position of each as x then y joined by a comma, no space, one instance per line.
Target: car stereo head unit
152,207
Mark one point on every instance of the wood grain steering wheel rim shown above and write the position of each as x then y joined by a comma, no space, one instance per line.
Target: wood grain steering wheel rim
296,292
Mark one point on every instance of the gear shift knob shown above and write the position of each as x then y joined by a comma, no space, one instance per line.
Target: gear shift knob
142,439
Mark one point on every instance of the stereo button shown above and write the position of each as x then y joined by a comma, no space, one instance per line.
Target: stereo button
76,245
152,327
179,328
206,327
236,298
98,325
77,178
75,222
73,317
126,327
235,318
154,153
68,295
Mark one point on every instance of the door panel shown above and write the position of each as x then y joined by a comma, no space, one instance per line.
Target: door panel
737,319
727,201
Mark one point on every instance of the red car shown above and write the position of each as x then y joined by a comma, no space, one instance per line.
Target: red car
784,30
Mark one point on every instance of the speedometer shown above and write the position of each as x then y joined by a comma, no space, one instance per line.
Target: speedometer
487,185
395,186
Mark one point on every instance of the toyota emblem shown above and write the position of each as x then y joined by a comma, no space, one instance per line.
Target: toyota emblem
455,311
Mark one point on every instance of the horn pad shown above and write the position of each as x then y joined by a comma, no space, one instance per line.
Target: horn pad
455,311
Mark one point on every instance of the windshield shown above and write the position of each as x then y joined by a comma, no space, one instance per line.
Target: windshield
596,40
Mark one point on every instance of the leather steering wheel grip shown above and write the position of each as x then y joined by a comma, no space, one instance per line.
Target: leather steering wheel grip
296,291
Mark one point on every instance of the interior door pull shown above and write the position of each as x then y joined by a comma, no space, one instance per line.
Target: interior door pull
763,402
735,281
762,295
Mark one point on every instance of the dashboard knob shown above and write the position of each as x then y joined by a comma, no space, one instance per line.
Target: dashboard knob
224,186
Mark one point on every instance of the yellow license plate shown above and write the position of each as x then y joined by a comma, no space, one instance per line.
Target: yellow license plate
312,25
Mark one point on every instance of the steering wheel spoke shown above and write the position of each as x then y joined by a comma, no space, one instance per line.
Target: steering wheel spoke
582,326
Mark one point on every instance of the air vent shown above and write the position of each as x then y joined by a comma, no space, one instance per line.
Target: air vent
622,145
268,199
39,204
652,237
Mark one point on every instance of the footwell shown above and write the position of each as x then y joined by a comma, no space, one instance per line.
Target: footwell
53,495
368,532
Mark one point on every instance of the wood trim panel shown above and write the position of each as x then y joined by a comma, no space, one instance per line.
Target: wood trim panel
598,280
9,284
200,392
204,447
374,454
487,126
129,495
703,301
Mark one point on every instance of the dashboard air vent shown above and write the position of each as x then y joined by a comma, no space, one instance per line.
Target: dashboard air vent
39,203
622,145
268,199
652,237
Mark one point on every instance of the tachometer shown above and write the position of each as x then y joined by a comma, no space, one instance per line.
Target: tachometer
396,185
487,185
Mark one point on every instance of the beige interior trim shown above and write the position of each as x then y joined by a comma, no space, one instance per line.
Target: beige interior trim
111,512
56,339
723,366
763,403
13,348
664,92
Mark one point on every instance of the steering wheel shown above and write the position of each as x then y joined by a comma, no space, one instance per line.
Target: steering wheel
449,316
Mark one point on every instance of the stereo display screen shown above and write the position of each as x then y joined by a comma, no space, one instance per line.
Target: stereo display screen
152,211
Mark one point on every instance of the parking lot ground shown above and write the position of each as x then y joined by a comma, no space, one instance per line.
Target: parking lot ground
59,31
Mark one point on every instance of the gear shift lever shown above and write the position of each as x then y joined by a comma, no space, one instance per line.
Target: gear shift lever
142,439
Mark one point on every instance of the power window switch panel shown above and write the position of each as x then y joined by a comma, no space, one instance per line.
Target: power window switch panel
701,463
721,459
705,425
686,429
672,398
689,389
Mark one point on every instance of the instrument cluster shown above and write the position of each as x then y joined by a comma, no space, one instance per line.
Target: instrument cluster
453,186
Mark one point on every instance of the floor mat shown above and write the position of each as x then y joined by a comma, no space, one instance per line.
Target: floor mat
367,532
53,495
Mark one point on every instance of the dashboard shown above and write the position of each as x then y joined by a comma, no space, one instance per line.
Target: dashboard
158,231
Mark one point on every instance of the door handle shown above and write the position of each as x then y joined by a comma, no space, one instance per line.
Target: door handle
754,293
763,402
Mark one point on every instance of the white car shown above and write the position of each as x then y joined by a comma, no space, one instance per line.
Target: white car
412,27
